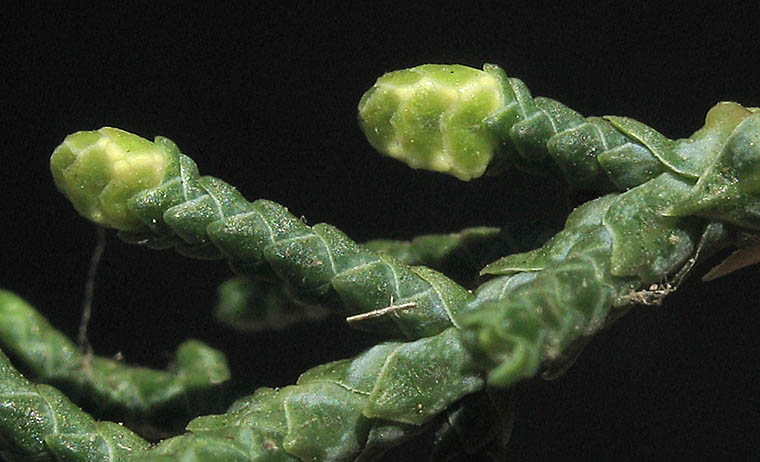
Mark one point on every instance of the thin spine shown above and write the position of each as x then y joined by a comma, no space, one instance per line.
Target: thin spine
585,270
206,217
254,304
353,409
528,324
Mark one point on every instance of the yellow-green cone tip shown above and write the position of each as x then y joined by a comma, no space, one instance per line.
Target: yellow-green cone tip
99,170
433,117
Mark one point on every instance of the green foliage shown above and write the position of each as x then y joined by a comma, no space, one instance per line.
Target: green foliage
38,422
207,218
250,304
154,401
457,255
347,409
593,265
413,114
455,349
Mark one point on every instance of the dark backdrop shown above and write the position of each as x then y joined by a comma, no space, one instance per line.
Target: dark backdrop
265,97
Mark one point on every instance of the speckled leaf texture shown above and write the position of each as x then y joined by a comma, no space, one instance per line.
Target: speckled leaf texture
444,378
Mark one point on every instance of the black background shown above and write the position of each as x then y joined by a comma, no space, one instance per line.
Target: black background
265,96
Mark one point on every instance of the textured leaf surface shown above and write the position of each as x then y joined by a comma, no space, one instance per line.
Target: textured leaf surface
342,410
682,200
609,253
457,255
37,422
413,114
730,188
142,396
205,217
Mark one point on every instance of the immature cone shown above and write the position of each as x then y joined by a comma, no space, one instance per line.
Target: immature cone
99,170
434,117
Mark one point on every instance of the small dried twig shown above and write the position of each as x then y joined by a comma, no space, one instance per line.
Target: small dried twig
652,296
379,312
89,289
